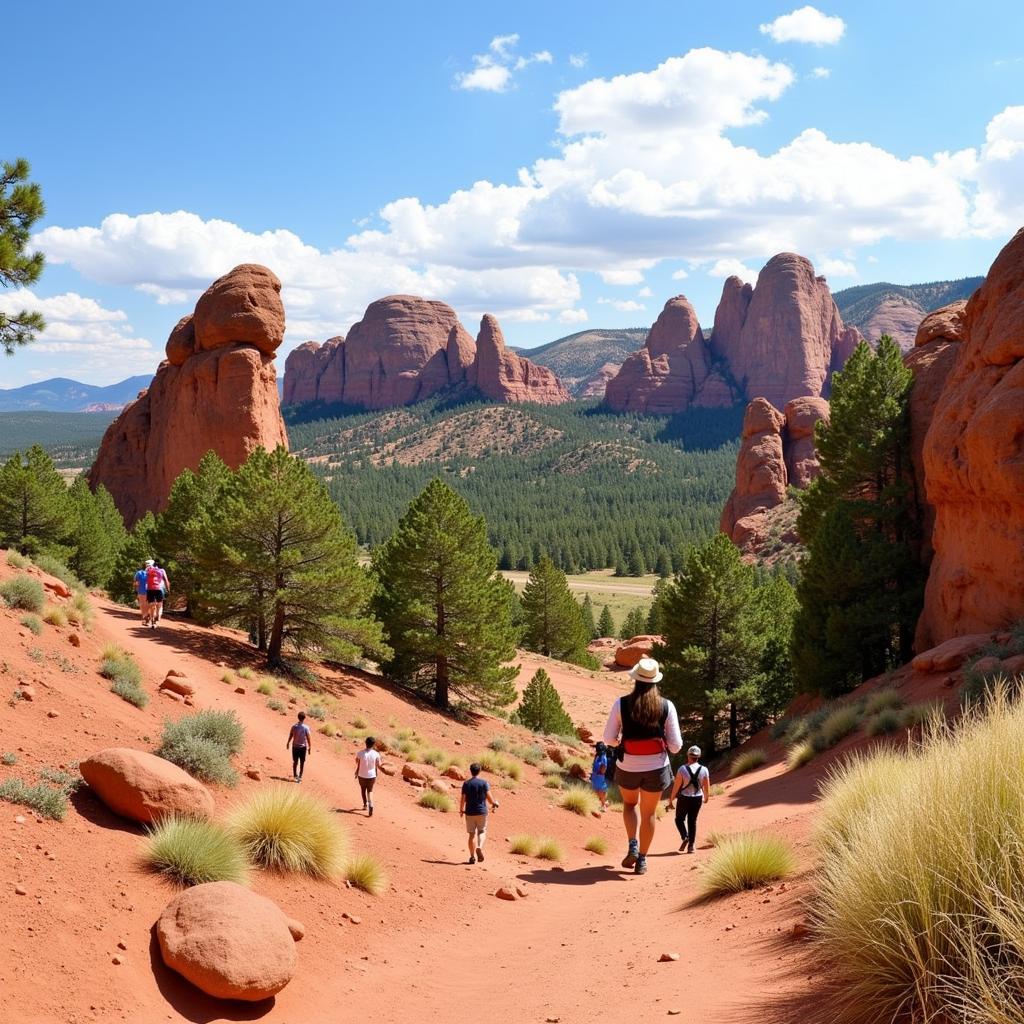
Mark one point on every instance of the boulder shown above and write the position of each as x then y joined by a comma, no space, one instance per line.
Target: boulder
177,684
454,772
57,587
217,392
507,892
801,416
974,464
416,773
556,754
144,787
504,376
760,466
630,652
228,942
947,323
949,655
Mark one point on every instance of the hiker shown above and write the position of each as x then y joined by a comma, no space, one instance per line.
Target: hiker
599,774
155,579
165,587
476,795
692,785
367,762
300,739
648,727
140,593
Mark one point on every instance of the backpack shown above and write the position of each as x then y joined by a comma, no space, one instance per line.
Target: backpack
694,779
643,739
154,579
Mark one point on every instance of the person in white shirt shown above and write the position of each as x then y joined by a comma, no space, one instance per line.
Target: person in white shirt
367,763
692,786
648,726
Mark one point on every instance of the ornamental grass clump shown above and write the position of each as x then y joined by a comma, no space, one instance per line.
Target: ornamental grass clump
800,754
191,852
746,860
365,872
747,762
549,849
579,800
435,801
596,844
288,830
918,907
522,844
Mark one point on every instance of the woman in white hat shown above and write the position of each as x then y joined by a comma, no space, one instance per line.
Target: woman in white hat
648,727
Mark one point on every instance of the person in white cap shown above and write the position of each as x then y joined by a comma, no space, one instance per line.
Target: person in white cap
648,727
692,786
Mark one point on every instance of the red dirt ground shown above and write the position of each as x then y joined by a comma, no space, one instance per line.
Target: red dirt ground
437,944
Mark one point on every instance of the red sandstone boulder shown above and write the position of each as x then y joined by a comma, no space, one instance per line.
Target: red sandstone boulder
948,656
144,787
229,942
974,465
760,466
629,653
945,324
416,773
503,376
801,415
222,396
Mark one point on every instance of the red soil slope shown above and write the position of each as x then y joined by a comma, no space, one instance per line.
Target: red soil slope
437,944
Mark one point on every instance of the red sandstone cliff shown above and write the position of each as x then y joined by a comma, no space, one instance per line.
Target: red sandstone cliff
504,376
216,390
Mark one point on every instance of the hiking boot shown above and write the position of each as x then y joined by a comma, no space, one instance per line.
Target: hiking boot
480,856
641,866
370,810
689,849
632,854
682,846
472,860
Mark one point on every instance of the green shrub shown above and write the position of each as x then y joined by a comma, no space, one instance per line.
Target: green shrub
918,905
361,723
203,744
532,755
747,761
33,624
885,721
317,712
365,872
498,744
579,800
745,861
886,699
265,688
125,678
17,561
192,852
286,829
46,801
66,782
275,705
23,592
839,724
549,849
246,673
553,782
435,801
227,677
55,567
522,844
596,844
9,758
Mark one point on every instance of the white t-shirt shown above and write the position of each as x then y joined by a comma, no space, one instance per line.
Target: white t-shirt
644,762
688,787
368,761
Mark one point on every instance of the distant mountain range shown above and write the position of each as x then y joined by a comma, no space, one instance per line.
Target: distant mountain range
578,358
62,395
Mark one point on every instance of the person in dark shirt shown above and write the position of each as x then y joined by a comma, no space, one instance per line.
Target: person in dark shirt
476,795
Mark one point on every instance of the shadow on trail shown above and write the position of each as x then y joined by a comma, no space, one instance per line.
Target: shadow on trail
464,863
194,1005
794,788
580,876
93,810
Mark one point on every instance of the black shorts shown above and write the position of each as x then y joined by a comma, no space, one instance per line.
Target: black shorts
650,782
298,755
155,596
366,785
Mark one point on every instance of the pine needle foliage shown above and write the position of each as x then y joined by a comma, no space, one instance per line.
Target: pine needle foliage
541,708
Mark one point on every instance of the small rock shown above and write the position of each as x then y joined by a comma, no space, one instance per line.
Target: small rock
19,819
674,1013
53,714
20,890
666,958
27,692
521,892
116,960
457,743
175,674
254,773
171,695
297,928
121,945
239,689
386,769
177,685
74,639
505,893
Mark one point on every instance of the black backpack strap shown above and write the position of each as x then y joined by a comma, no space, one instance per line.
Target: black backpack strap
694,776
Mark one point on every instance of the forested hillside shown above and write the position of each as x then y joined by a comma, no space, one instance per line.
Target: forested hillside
71,438
588,488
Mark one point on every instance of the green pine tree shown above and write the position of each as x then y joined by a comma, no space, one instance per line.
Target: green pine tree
36,513
663,565
136,548
656,613
587,611
634,624
605,622
775,608
445,610
21,205
541,708
710,653
862,584
554,623
99,533
278,555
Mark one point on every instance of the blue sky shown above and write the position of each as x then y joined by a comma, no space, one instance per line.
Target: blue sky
562,165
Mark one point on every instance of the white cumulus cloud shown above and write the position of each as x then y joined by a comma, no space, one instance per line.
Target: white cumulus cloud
493,71
821,72
732,268
622,305
578,60
806,25
836,268
573,316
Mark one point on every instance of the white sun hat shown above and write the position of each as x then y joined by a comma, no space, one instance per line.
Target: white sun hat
646,670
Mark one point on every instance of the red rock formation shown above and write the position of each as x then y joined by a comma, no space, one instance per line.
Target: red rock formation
778,339
974,465
596,385
503,376
897,316
670,372
214,391
801,415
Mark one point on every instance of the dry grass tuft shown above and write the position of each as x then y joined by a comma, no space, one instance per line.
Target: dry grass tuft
745,861
747,762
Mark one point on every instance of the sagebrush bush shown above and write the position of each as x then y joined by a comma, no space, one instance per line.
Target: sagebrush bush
33,624
579,800
747,762
55,567
435,801
17,561
9,758
286,829
549,849
66,781
885,721
596,844
24,593
886,699
47,801
192,852
130,692
800,754
744,861
203,744
317,712
522,844
125,677
54,616
275,705
499,744
918,906
532,755
366,873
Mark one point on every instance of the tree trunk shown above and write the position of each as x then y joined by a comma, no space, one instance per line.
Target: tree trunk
733,724
441,661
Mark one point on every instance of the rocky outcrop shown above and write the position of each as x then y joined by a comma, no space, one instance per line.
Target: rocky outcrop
504,376
216,390
144,787
973,456
899,317
673,371
406,349
229,942
780,340
776,451
596,385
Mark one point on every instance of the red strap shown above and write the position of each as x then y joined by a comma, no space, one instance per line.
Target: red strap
655,745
